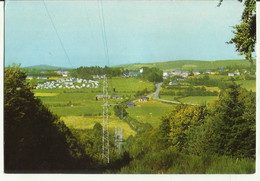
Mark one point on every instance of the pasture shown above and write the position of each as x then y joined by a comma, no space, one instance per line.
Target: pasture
87,122
79,109
248,84
188,65
198,99
149,112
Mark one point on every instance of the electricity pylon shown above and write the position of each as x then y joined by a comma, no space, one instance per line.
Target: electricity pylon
105,138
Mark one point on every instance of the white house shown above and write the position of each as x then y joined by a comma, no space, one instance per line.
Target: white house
231,74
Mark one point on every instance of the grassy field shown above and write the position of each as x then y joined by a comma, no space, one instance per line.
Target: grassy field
168,97
188,64
87,122
248,84
149,112
79,108
82,102
198,99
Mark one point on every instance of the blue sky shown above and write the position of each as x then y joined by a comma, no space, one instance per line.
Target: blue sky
137,32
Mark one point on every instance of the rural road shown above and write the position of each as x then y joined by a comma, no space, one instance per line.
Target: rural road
156,94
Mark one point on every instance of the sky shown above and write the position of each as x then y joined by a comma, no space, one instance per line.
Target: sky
70,33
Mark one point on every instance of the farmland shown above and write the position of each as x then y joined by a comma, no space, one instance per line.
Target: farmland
187,65
149,112
79,109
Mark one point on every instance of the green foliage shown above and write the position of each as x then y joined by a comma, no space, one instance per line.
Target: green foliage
35,140
181,121
219,138
141,93
233,118
153,74
245,33
88,72
120,111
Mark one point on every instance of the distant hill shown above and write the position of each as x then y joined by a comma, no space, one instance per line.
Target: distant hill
45,67
187,64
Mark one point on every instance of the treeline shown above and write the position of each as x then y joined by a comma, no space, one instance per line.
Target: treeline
36,72
152,74
207,81
88,72
219,138
190,91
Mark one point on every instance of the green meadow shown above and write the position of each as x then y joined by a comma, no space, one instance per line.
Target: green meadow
87,122
198,99
188,65
79,109
149,112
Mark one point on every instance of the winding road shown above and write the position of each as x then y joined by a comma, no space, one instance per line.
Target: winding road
156,96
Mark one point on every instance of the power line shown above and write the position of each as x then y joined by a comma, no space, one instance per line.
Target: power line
104,36
57,33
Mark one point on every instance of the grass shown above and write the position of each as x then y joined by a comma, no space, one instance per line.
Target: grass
87,122
170,98
80,109
45,94
82,102
188,65
149,112
248,84
198,99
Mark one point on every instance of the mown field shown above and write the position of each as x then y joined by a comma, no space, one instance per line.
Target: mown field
188,65
198,99
87,122
149,112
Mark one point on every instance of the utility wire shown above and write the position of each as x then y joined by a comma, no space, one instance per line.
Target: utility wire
104,31
57,33
104,34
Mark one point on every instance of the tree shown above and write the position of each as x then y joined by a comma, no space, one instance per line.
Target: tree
245,33
35,139
233,119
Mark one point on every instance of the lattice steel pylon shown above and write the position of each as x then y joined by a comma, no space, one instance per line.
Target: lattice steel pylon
119,136
105,138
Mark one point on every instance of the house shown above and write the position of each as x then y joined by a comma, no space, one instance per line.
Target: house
130,104
236,73
42,78
195,72
166,74
99,97
144,99
208,72
131,74
176,72
29,77
180,79
173,83
185,74
116,97
221,69
141,70
231,74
